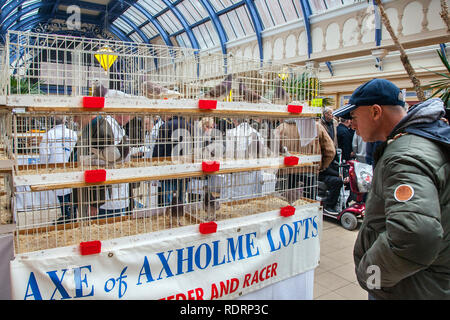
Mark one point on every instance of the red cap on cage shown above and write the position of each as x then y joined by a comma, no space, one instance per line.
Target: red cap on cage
207,104
207,227
294,108
94,102
210,166
287,211
291,161
91,176
90,247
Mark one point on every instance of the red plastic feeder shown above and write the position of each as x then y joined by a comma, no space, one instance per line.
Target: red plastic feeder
90,247
208,227
207,104
294,108
287,211
210,166
91,176
291,161
94,102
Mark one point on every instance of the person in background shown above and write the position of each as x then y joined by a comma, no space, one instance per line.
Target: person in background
330,174
345,138
55,147
402,250
371,147
359,148
292,142
330,124
173,142
103,142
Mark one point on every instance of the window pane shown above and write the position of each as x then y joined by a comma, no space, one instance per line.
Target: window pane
200,40
275,10
289,10
123,25
317,6
227,25
264,13
149,30
150,6
217,4
245,20
333,3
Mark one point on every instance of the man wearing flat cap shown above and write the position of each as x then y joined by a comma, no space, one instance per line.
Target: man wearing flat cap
403,246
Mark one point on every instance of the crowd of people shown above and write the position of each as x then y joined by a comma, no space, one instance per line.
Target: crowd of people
107,140
348,146
402,250
405,232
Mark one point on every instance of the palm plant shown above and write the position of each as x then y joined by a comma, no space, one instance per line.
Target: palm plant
23,86
304,87
441,87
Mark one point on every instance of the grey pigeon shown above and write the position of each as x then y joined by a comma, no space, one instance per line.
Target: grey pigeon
211,204
98,90
155,91
280,95
221,89
176,211
249,95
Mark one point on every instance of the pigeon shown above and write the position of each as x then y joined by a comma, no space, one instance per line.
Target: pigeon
280,95
221,89
211,204
155,91
285,151
99,90
249,95
176,207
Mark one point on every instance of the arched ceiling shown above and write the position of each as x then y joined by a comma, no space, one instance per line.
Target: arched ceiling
199,24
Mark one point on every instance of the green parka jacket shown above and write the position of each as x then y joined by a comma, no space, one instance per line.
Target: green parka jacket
403,247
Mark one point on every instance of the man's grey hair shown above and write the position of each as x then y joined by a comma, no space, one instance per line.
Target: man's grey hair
327,110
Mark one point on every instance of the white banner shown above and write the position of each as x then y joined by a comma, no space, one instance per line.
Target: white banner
244,255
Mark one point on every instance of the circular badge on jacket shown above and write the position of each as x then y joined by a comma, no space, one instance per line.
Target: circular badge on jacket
403,192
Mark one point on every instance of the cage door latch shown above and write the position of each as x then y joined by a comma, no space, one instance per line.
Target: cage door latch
208,227
94,102
287,211
292,108
210,166
92,176
291,161
90,247
207,104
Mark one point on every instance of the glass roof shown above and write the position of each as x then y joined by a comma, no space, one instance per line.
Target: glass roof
192,23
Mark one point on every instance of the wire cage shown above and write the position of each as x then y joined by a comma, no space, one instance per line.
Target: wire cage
150,159
157,190
6,212
41,142
54,65
62,217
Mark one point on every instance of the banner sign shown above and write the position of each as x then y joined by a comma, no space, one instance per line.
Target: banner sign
244,255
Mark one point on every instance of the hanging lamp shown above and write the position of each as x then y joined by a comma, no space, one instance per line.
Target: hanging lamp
106,57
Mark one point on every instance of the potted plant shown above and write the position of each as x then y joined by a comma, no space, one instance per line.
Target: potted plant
23,86
441,87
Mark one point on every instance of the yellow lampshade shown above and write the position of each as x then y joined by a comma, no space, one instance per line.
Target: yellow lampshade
283,76
106,57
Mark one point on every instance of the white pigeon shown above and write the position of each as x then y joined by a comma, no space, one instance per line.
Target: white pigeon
155,91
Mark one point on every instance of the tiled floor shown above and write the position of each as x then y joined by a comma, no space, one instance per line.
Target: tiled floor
335,278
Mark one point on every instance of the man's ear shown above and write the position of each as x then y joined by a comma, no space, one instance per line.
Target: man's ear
376,111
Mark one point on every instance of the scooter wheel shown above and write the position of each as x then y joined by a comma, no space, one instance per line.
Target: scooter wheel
349,221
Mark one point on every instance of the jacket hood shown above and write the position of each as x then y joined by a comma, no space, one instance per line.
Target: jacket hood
424,119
